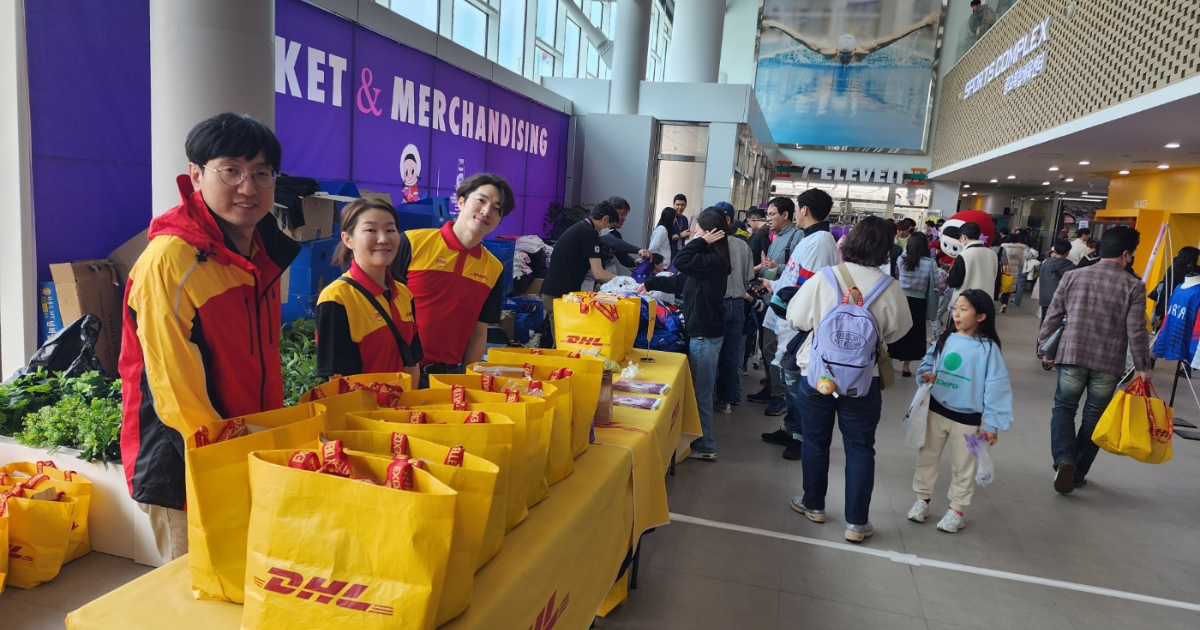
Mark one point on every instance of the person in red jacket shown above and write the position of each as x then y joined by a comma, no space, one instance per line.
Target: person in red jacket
201,324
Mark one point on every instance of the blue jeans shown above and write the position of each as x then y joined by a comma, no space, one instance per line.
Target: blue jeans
791,420
729,378
1019,289
703,356
857,419
1065,442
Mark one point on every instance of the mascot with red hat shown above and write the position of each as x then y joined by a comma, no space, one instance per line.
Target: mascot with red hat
950,244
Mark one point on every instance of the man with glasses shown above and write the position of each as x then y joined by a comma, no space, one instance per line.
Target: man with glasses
780,216
201,323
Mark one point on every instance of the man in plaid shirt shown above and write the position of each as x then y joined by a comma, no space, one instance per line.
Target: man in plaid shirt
1105,310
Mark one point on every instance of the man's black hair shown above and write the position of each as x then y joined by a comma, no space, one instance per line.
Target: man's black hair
232,135
930,222
479,180
784,205
680,197
818,202
971,230
975,3
656,259
756,213
1062,248
1118,240
618,202
1082,231
605,209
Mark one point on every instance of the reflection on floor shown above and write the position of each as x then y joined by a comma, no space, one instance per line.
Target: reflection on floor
1133,528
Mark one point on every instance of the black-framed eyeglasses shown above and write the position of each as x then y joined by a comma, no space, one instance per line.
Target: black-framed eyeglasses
235,175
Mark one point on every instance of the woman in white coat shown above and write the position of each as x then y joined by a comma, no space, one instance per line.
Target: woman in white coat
660,239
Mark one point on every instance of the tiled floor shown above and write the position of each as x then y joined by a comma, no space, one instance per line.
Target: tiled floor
1134,528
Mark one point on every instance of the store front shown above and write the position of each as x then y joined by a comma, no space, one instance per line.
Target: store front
882,193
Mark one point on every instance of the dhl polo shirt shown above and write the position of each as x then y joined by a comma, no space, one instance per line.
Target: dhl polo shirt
352,336
454,288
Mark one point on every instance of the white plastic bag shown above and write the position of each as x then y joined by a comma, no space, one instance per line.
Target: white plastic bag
917,419
985,472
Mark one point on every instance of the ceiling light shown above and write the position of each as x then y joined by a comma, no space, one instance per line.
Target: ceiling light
1012,177
1172,145
966,185
1054,168
1084,193
1084,163
1045,183
1069,179
1124,172
1164,166
964,194
993,180
974,194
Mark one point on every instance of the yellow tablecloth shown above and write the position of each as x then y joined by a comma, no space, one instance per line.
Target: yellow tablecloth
559,563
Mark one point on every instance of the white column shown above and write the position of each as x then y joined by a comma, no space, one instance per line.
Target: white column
206,57
629,55
945,197
18,283
695,52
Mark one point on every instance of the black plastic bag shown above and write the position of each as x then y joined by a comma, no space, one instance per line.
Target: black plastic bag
71,350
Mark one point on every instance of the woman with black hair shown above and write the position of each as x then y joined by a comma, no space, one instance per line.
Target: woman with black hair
1187,260
918,273
663,235
704,266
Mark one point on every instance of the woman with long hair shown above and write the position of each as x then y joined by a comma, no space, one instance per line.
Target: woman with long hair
704,267
918,274
866,250
661,237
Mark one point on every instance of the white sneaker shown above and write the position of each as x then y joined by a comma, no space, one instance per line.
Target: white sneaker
951,522
919,511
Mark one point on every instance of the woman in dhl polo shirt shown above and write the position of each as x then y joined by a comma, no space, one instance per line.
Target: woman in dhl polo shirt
366,320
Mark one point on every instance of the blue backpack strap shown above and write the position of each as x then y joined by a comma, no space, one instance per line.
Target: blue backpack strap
877,290
832,278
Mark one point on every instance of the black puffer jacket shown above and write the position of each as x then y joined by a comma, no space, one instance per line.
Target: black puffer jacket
703,274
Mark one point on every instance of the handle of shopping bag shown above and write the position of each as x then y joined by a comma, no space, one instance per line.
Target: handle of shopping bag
1162,436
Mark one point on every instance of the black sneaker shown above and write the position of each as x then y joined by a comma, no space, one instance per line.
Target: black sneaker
793,449
1064,477
778,407
779,437
762,396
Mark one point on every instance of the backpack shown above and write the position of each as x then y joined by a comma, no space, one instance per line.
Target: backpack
845,346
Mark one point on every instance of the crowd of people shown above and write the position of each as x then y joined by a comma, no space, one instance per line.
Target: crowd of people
828,316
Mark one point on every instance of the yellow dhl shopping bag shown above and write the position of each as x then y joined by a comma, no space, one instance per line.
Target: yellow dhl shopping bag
383,384
586,373
217,481
561,398
531,436
333,551
39,531
3,552
597,321
72,483
473,478
1137,423
559,461
488,436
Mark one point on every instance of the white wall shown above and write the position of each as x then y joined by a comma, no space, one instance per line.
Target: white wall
718,172
617,160
738,48
945,197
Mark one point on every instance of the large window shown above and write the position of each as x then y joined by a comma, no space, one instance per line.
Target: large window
537,38
470,27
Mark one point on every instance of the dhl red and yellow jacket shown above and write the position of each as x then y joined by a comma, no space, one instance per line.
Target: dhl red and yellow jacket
200,340
352,336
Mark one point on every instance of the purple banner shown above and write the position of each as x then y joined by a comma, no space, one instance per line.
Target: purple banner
352,104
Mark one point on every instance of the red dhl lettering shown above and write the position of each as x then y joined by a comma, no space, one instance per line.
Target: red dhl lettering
584,341
14,553
320,591
548,617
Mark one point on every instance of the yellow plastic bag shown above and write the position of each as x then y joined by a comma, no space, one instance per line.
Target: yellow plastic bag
597,321
217,481
1160,419
345,384
490,440
531,435
586,373
73,484
473,478
1124,427
1006,282
38,534
331,552
559,461
559,395
3,552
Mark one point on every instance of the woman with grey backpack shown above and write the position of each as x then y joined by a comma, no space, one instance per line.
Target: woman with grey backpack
852,311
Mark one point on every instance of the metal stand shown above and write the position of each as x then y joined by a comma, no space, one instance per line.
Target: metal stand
1188,432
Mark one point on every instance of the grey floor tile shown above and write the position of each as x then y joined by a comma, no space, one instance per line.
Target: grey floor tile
79,582
667,600
811,613
850,578
1096,612
720,554
986,603
26,616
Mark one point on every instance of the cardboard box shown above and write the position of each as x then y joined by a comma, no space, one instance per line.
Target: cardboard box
371,194
320,215
127,254
92,286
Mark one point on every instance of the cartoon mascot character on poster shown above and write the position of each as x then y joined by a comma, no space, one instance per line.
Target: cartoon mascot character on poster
950,244
410,172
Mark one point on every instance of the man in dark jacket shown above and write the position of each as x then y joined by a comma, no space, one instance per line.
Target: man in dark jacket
1051,273
613,247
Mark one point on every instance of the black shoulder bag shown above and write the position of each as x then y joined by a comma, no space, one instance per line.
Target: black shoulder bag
382,312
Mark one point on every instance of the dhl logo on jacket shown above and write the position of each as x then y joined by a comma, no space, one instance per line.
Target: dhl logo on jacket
200,340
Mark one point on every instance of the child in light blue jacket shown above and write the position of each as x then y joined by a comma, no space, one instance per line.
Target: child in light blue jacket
971,394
